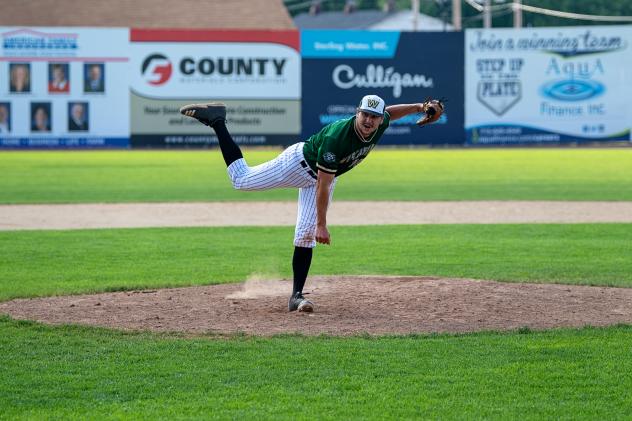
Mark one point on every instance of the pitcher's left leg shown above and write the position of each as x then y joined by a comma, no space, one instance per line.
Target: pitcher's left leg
304,243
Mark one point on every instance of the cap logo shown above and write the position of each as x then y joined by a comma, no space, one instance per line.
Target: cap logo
373,103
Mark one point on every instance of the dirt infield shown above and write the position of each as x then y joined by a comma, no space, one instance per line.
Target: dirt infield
134,215
345,305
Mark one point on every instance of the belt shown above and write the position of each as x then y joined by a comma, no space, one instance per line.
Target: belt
309,170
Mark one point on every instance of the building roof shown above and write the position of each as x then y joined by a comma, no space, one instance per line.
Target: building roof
207,14
369,19
360,19
403,21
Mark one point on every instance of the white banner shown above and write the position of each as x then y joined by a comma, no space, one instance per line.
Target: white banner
257,74
64,87
548,84
211,70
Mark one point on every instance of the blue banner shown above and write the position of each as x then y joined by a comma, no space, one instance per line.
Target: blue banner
348,44
409,68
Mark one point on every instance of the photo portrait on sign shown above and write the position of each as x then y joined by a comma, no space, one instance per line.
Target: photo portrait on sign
58,78
54,82
94,77
40,117
5,117
78,117
19,77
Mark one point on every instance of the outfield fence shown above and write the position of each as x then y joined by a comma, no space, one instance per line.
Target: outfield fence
121,88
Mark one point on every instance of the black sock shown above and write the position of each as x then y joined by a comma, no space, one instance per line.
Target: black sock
300,265
230,150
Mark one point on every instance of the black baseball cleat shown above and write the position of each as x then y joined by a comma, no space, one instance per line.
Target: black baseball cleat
298,302
207,114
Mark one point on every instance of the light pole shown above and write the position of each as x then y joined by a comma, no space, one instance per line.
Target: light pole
517,13
487,14
456,14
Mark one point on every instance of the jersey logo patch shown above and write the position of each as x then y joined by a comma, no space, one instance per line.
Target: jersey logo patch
329,157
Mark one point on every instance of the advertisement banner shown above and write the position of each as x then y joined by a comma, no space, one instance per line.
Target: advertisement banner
64,87
340,67
256,73
570,84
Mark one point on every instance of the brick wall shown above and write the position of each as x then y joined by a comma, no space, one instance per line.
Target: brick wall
238,14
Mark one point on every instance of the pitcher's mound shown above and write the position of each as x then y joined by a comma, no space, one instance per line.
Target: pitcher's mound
344,305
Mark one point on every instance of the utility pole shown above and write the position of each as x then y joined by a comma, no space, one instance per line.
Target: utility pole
456,14
487,14
415,6
517,13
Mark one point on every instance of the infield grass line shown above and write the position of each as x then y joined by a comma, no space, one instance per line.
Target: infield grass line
71,372
387,174
42,263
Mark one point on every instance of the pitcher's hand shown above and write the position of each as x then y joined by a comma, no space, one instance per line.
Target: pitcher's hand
322,235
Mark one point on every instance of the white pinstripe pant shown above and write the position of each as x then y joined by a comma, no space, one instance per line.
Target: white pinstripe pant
282,172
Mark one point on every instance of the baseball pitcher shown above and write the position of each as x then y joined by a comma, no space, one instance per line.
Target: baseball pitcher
311,166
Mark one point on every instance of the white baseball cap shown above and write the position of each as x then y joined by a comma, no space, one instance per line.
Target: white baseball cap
372,104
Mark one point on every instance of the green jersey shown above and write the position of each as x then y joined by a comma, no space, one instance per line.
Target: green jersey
337,147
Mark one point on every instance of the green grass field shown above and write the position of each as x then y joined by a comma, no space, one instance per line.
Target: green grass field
170,176
40,263
71,372
79,373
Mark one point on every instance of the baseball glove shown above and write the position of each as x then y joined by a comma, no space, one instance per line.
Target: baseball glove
432,108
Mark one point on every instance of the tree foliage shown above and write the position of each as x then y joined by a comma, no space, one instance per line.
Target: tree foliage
587,7
472,18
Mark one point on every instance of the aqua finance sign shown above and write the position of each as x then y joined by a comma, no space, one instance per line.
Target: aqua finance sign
548,85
